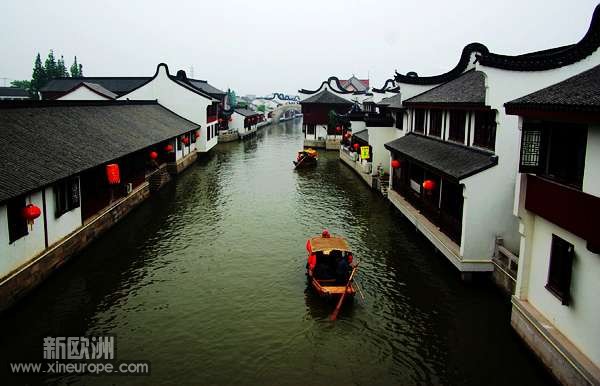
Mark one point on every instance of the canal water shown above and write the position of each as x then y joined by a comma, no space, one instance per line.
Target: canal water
206,282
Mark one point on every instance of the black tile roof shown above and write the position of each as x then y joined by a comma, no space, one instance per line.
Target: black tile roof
118,85
333,83
100,90
393,102
326,97
469,88
363,134
13,92
453,161
578,93
45,142
534,61
388,86
206,87
247,112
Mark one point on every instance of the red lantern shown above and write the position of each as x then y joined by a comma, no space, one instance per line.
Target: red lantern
355,146
153,155
428,185
395,164
338,129
169,148
31,212
185,140
113,174
197,134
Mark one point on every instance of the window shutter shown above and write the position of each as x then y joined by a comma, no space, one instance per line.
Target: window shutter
531,150
74,193
59,199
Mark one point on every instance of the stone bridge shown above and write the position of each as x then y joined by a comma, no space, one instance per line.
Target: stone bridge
283,108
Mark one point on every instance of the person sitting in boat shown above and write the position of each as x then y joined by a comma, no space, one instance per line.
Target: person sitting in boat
342,270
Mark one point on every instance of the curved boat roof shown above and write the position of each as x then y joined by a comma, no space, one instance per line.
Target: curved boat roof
328,244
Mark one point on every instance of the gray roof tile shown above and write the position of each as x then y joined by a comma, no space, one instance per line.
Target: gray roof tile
451,160
469,88
42,145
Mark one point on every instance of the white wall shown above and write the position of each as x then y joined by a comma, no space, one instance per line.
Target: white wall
591,176
178,99
63,225
378,137
580,320
485,216
82,93
357,126
503,86
237,123
12,256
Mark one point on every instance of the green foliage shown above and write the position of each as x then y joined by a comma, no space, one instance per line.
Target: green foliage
61,70
24,84
332,120
261,108
38,77
76,70
51,68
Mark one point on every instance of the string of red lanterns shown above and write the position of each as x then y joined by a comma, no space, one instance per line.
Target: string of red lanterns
153,155
395,164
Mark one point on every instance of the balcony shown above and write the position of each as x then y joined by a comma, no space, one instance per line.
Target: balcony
569,208
211,118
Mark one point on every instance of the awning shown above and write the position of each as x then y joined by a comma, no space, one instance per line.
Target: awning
451,160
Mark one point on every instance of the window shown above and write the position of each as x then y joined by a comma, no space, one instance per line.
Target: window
400,120
66,196
435,123
559,272
208,133
17,224
456,131
310,129
485,129
419,121
555,151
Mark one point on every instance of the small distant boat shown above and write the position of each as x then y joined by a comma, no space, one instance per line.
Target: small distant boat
330,267
307,157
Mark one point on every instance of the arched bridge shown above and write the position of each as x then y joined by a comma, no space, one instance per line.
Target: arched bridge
279,111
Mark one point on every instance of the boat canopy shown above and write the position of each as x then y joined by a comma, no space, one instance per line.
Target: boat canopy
327,244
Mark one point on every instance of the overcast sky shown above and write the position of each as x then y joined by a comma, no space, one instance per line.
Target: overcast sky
258,47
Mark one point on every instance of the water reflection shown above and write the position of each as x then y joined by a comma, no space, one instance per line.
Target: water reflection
206,281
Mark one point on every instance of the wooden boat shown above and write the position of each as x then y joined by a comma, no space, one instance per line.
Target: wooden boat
306,157
324,255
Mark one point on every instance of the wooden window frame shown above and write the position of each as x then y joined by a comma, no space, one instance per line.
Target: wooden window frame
420,117
436,122
17,224
560,269
484,131
457,124
67,196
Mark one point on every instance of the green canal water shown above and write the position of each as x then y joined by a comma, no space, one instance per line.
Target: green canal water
206,282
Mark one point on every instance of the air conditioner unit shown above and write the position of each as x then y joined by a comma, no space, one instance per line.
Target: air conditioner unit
129,187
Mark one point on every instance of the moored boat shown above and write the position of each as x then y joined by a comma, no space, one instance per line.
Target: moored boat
306,157
329,266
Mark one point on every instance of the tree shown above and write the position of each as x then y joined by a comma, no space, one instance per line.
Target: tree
61,70
50,66
39,76
24,84
80,69
75,69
